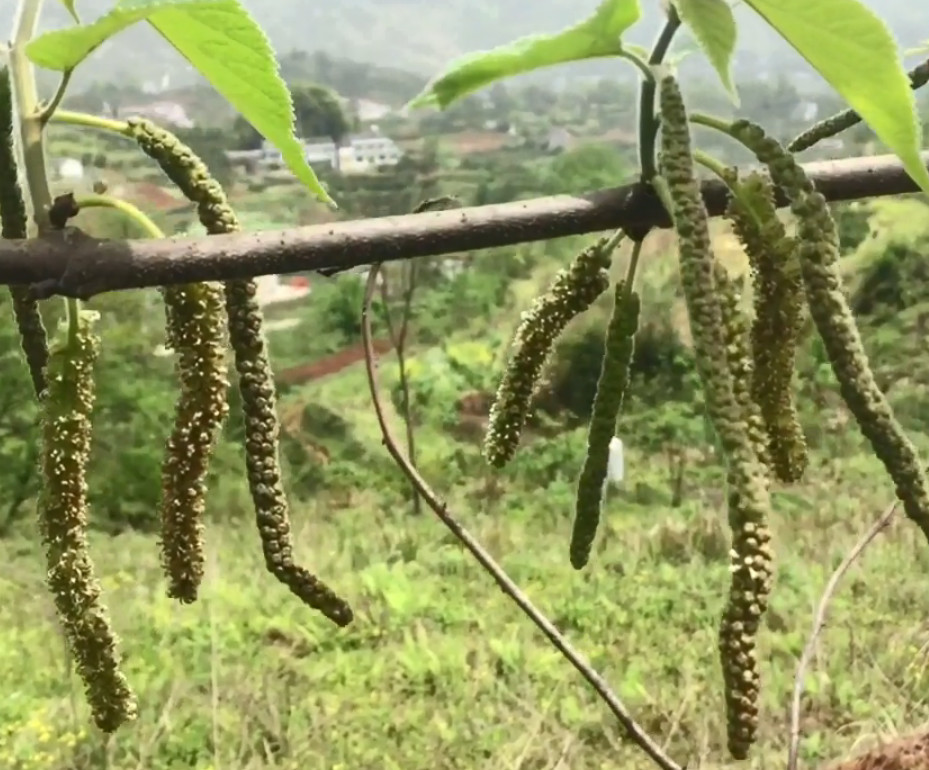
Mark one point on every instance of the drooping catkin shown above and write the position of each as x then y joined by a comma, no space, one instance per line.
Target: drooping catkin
778,305
33,337
66,440
819,257
738,349
608,401
751,561
196,330
842,121
573,291
255,376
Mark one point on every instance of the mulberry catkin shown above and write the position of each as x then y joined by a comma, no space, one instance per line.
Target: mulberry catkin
775,332
738,349
842,121
572,292
826,298
66,438
608,401
196,325
750,556
33,337
256,379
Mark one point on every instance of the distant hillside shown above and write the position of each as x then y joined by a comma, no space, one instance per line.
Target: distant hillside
417,35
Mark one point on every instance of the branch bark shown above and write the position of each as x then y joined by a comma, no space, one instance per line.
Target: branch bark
73,264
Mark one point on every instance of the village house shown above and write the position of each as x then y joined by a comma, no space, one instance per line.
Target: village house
356,154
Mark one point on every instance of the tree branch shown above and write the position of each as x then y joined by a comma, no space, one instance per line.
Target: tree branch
635,732
74,264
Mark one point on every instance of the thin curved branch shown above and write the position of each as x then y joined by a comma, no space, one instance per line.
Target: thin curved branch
635,732
819,622
72,263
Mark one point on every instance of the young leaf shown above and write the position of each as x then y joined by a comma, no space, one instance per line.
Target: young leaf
69,7
713,26
222,41
597,36
857,55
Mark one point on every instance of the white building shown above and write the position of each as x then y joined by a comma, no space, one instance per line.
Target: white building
71,169
358,153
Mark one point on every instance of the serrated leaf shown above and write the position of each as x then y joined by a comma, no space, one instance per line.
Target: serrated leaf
856,54
713,26
222,41
69,7
596,37
64,49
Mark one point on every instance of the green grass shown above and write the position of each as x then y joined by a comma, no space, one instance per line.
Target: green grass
439,670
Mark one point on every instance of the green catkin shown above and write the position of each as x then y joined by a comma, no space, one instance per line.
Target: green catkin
34,339
573,291
66,411
819,257
778,321
741,366
196,325
195,328
751,561
842,121
256,379
608,401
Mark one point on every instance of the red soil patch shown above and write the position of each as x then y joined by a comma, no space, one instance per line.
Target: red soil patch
471,142
908,753
324,367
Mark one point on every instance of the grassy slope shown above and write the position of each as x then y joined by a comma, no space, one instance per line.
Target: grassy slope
439,670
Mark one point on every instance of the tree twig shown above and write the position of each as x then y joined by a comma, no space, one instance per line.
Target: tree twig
819,622
398,336
72,263
635,732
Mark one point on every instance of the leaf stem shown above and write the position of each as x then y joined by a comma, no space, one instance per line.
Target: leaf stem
729,176
632,267
86,120
27,107
715,165
641,64
709,121
134,213
648,123
46,112
31,130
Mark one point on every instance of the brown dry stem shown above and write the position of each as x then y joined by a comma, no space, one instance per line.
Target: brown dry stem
635,732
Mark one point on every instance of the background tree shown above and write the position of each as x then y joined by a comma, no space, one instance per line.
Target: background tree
319,112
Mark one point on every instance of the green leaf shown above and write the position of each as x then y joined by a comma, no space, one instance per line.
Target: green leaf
595,37
222,41
713,26
64,49
69,7
857,55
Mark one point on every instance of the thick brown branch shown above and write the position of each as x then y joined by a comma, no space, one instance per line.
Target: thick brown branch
74,264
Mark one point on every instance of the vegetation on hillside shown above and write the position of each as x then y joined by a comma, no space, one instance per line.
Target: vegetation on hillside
437,670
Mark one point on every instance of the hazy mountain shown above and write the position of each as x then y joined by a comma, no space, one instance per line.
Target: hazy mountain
421,35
